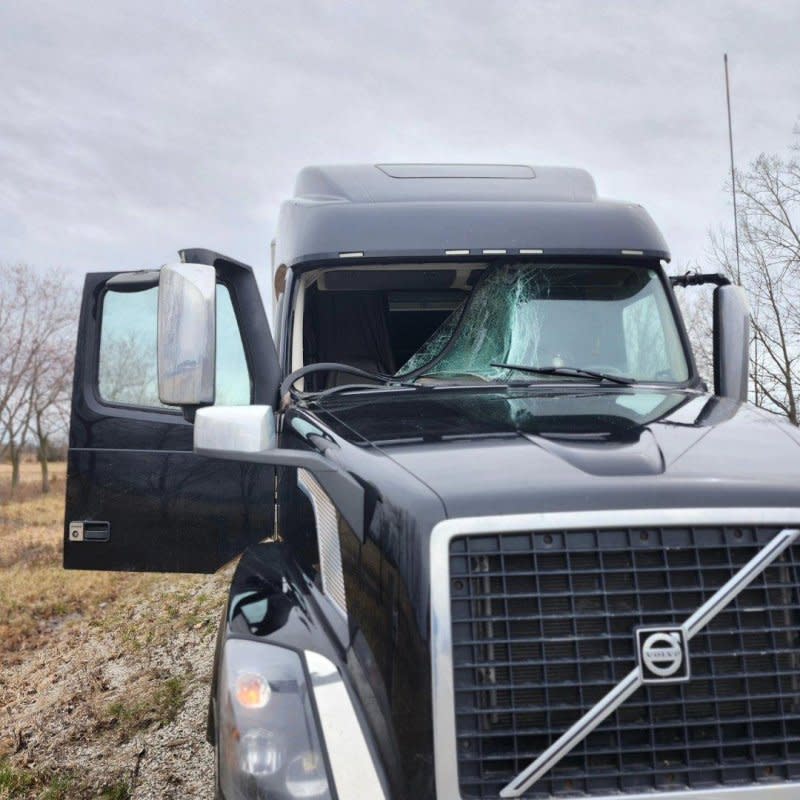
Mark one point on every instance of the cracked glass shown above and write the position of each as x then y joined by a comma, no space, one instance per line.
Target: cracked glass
611,319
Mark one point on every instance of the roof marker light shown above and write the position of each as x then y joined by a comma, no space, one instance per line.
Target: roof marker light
500,252
354,254
632,252
530,251
456,252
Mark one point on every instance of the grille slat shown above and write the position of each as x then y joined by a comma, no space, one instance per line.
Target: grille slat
543,627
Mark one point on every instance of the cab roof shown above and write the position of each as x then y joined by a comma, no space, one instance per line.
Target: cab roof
410,211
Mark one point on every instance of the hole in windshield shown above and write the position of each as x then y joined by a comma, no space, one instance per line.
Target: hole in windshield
615,320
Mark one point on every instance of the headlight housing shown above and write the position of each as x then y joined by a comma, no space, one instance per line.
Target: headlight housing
268,744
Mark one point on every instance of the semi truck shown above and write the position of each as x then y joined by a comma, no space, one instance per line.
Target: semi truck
497,537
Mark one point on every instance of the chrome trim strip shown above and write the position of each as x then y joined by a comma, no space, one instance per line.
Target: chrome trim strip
574,735
330,547
740,581
444,725
354,772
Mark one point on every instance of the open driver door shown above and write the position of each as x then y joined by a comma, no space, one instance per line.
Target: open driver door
138,497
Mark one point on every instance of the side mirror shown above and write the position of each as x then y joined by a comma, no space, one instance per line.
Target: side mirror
731,342
187,318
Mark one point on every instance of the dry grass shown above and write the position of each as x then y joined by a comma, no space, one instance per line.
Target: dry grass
31,486
35,592
103,676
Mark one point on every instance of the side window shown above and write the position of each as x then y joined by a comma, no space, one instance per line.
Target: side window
127,369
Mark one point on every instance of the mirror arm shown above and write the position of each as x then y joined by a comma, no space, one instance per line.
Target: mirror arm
345,491
700,279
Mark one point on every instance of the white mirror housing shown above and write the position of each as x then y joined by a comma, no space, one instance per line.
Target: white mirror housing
187,334
245,429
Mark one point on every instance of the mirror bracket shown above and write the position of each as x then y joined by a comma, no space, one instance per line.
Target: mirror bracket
248,434
700,279
344,490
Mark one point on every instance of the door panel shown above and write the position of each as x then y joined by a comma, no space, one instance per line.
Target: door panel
168,511
152,504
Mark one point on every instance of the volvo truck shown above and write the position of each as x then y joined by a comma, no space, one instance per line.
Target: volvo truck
496,535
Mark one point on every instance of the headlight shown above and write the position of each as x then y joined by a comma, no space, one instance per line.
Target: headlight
269,748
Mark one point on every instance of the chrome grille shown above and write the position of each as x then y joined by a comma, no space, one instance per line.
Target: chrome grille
543,626
330,548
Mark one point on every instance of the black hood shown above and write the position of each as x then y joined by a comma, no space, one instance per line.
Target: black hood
537,450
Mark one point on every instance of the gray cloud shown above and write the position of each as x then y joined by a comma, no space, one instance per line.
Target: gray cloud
129,131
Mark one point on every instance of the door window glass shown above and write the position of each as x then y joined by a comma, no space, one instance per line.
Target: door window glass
233,379
127,368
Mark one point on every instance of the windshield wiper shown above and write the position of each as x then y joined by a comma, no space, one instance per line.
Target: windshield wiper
572,372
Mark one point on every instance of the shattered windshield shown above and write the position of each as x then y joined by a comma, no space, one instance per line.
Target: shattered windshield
615,320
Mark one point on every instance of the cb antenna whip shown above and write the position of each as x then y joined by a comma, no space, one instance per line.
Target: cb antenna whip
733,171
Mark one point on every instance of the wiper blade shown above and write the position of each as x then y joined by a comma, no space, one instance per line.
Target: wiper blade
449,376
572,372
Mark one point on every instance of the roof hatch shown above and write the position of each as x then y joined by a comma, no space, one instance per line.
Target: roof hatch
497,171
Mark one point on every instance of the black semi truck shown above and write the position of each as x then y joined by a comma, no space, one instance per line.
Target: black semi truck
497,537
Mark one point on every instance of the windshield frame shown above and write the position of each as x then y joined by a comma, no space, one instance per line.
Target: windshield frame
692,381
285,313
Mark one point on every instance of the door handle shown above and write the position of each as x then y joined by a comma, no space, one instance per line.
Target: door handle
89,531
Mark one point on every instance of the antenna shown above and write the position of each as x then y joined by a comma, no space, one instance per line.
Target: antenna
733,171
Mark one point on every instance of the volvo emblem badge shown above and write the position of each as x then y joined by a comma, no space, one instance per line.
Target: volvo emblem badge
663,654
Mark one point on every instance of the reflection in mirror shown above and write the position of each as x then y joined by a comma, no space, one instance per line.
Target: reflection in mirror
187,334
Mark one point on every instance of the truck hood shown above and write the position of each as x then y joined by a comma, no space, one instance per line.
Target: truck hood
523,451
428,454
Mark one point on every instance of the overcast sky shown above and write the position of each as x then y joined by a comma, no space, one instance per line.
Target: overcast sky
128,131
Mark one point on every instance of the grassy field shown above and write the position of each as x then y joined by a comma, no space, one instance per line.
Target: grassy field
103,676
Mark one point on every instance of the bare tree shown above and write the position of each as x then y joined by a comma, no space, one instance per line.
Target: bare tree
127,371
769,226
15,363
49,399
37,322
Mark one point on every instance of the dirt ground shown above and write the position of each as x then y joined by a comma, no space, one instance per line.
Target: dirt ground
103,676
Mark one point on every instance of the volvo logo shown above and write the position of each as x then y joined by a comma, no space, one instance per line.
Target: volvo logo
663,654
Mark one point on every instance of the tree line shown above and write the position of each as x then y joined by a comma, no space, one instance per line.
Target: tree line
38,319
